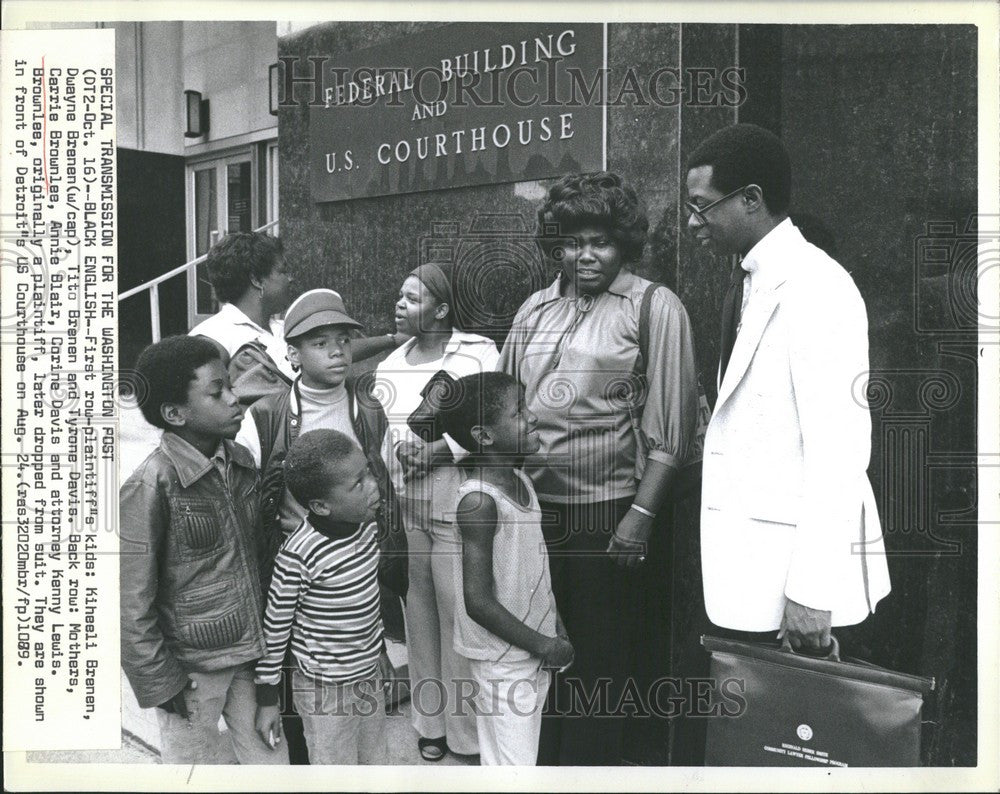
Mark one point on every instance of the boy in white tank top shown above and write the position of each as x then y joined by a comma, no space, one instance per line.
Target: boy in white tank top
506,621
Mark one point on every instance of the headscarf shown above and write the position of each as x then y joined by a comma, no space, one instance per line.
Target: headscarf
437,279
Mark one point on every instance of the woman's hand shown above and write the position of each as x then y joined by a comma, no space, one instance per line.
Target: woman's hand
628,543
416,458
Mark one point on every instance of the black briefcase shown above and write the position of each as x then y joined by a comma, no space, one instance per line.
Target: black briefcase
775,707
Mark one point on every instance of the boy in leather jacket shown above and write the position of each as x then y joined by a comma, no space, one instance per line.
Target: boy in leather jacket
193,561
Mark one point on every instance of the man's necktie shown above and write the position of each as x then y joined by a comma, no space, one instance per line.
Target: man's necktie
731,309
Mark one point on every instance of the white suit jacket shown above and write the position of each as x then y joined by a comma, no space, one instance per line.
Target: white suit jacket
787,508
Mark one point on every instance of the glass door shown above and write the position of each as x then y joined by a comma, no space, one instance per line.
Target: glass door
221,199
272,185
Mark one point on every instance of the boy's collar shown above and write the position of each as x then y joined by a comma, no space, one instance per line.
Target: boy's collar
331,392
295,396
191,465
332,528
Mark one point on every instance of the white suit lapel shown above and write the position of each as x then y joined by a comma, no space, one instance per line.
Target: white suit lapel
759,312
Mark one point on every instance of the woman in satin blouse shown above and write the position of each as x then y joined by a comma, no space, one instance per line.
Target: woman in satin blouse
614,431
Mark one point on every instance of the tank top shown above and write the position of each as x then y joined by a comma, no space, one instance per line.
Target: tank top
521,581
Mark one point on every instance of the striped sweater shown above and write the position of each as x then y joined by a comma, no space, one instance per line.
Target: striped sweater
324,598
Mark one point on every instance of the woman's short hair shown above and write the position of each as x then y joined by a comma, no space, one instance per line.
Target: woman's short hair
239,256
579,200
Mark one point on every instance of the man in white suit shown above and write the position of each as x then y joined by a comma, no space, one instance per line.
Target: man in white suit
790,535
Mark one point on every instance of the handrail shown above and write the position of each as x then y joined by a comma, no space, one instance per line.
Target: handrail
178,270
153,285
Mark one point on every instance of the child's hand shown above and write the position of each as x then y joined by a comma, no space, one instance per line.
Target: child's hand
268,724
178,704
558,653
386,672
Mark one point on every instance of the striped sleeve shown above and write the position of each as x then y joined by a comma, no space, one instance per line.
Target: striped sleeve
289,581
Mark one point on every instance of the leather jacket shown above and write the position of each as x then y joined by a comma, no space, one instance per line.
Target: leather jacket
192,554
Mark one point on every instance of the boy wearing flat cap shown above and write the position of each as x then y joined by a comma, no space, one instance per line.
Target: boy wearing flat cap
319,333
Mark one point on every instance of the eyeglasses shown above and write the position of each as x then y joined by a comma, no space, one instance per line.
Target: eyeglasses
699,212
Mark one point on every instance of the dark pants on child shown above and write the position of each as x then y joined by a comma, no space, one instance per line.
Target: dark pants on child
291,721
601,608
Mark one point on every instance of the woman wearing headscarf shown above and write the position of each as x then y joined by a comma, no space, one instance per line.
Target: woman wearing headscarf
615,424
426,486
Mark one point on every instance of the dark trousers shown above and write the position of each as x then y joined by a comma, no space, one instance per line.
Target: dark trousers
291,722
602,608
291,726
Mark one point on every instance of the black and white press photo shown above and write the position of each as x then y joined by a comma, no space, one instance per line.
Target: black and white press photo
604,392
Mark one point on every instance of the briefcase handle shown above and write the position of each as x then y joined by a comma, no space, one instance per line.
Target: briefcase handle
850,668
833,654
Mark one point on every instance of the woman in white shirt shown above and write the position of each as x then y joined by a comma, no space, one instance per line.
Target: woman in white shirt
426,485
248,274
